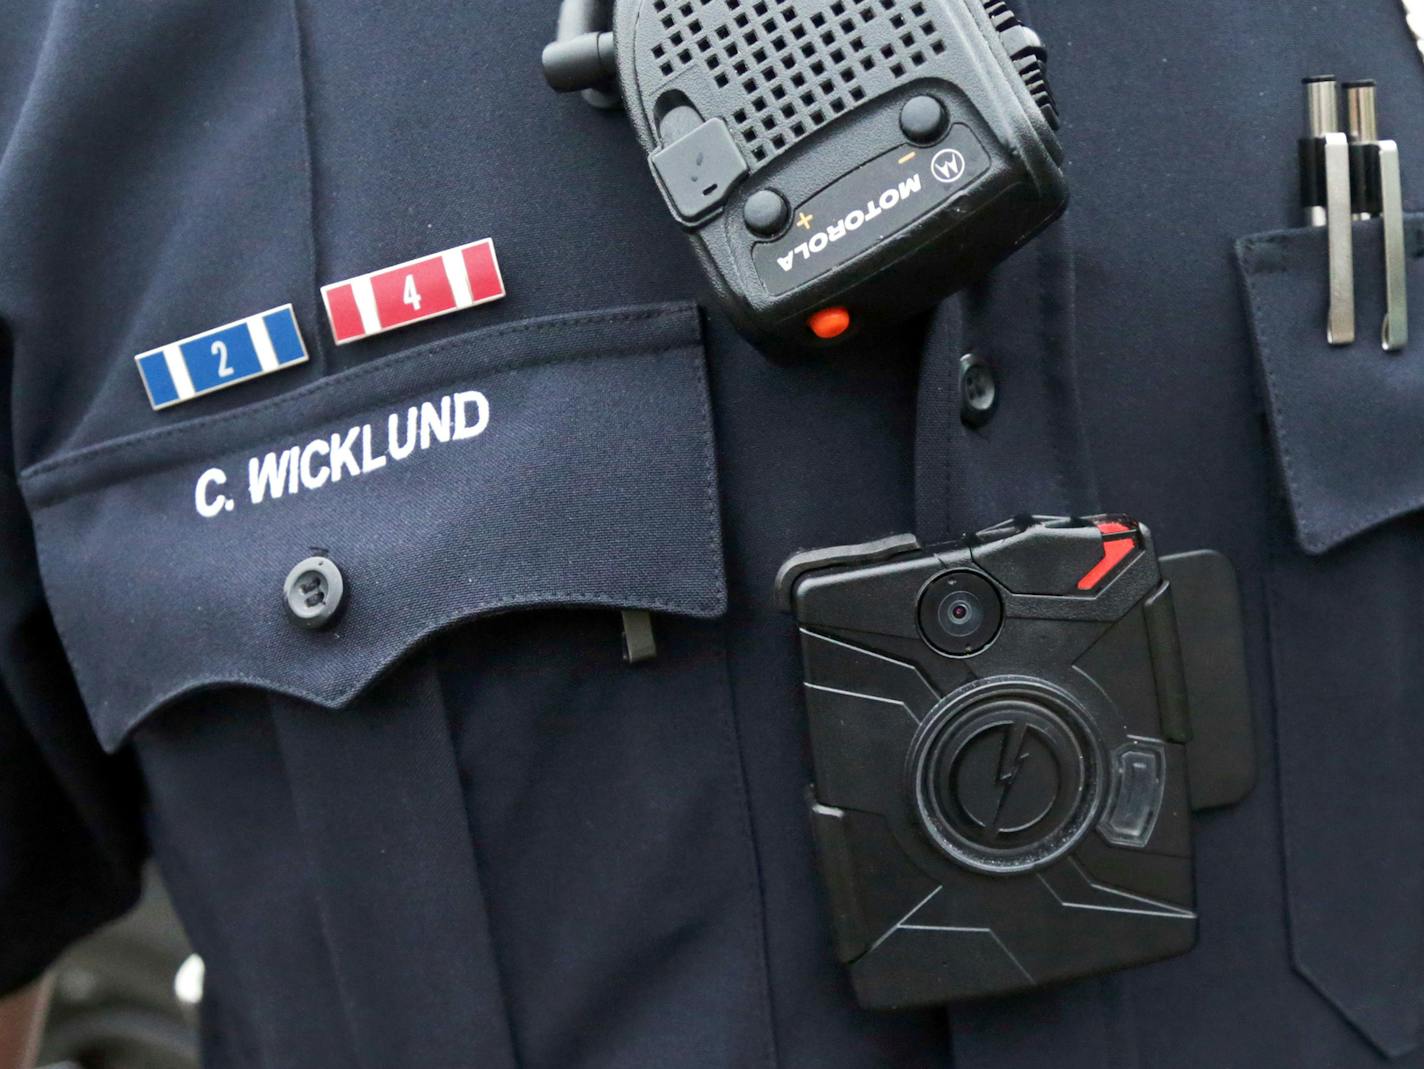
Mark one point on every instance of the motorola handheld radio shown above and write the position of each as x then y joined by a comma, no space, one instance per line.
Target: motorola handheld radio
837,164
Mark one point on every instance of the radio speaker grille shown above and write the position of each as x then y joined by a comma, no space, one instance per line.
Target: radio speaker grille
782,68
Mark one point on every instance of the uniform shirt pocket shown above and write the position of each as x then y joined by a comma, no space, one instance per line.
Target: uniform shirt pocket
1347,627
517,819
565,461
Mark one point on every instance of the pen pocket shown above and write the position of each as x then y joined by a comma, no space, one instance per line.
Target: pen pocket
1347,625
1347,421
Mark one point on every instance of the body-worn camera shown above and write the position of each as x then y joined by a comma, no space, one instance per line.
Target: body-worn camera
1009,736
836,163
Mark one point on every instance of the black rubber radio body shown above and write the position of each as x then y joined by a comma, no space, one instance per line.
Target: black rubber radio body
1009,736
836,163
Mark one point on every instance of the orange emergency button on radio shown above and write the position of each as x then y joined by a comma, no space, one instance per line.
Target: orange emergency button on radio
829,323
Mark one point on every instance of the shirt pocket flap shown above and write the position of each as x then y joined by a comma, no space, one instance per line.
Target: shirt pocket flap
1346,421
564,461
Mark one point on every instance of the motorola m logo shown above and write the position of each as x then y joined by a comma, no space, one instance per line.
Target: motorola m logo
852,221
948,165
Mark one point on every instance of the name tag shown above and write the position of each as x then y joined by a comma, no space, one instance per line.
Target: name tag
225,356
417,290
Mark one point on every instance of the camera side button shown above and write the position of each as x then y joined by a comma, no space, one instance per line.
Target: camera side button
1139,771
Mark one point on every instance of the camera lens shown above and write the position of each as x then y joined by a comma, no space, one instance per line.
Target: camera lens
960,612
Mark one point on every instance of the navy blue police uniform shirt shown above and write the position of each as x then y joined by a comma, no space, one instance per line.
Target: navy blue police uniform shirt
453,829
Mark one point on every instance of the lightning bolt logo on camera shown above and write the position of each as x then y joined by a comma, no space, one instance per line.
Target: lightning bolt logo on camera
1011,761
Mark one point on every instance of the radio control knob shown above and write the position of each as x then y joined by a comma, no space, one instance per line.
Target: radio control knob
923,120
1000,14
1029,56
766,213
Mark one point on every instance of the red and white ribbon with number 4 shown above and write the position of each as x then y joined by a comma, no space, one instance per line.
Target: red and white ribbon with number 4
417,290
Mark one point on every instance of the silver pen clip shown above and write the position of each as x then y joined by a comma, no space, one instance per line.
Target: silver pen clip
1375,175
1340,327
1394,335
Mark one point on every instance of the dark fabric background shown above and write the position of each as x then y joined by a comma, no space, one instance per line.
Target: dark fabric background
618,861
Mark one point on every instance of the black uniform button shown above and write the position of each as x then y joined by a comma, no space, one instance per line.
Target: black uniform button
314,591
766,213
978,392
923,120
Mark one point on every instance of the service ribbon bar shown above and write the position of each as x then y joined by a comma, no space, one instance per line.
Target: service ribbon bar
414,291
223,357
